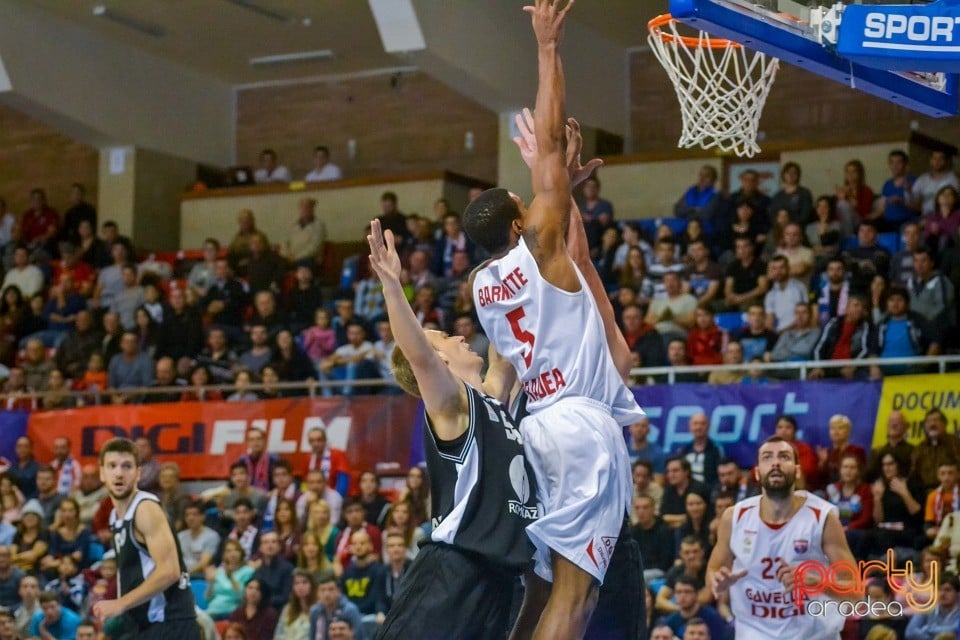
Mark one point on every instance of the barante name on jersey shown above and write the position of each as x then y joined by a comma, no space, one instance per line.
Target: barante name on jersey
507,288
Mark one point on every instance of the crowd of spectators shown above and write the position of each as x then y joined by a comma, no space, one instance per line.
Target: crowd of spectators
277,551
897,497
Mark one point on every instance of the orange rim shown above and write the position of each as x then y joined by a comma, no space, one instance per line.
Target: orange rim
655,28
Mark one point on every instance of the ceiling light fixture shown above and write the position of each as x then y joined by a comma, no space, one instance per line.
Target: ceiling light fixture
129,21
263,11
287,58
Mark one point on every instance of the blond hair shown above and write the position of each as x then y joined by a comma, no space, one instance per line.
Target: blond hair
403,372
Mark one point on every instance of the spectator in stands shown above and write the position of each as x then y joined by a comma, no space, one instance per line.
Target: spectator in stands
943,500
796,344
834,294
15,391
363,580
70,264
867,259
305,242
26,277
796,200
201,274
780,302
932,295
24,469
323,170
319,525
896,206
824,233
128,299
354,518
852,497
110,234
700,201
244,514
732,354
704,275
633,277
225,583
392,218
632,238
702,453
89,494
265,269
60,312
294,620
79,210
289,361
944,616
36,367
705,340
265,313
745,282
690,612
29,592
854,197
54,621
355,360
592,206
239,251
129,369
940,225
226,301
680,482
346,315
829,459
902,334
269,171
644,483
198,542
749,192
49,497
303,300
331,462
10,577
258,461
936,448
217,358
692,563
756,339
896,444
897,511
673,314
846,337
800,259
452,241
65,465
927,186
655,538
273,572
332,609
90,248
732,483
57,395
40,223
644,341
664,261
165,375
259,353
32,540
180,335
13,307
368,297
110,283
901,264
69,538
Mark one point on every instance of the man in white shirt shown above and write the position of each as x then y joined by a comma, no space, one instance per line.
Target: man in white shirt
924,192
323,169
25,276
353,361
785,294
198,542
270,172
304,243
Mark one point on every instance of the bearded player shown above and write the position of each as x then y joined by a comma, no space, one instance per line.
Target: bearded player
760,543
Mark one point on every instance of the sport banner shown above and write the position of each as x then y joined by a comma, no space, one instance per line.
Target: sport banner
914,396
742,416
204,438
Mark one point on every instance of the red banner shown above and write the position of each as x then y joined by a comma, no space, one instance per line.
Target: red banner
203,438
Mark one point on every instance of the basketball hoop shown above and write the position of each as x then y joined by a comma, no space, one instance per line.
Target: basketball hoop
721,85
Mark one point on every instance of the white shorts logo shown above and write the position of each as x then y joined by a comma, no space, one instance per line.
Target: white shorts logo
521,487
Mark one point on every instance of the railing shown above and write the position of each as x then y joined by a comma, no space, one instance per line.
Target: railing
804,368
314,388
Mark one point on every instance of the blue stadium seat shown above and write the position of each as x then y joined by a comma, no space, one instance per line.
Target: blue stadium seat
731,320
848,243
649,225
889,241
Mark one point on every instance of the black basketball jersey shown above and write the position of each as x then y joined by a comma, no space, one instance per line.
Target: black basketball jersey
134,565
482,488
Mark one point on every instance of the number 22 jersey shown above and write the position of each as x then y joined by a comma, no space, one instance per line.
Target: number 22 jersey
554,338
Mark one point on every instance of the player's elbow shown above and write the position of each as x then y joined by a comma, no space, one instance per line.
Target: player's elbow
169,574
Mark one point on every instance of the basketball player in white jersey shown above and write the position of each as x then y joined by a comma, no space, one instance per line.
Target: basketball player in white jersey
760,542
536,308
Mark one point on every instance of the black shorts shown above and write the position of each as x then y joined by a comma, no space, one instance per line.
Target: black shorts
450,595
188,629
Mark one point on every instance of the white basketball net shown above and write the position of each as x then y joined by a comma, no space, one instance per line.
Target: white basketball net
722,89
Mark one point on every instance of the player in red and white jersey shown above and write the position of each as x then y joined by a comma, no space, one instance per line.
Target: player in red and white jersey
537,310
760,543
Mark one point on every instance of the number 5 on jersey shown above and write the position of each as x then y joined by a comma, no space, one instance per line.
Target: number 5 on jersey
520,334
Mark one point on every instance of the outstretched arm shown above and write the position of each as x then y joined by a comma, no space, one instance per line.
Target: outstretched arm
545,222
443,395
576,240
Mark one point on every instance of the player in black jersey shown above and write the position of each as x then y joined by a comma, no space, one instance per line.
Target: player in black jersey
153,585
482,489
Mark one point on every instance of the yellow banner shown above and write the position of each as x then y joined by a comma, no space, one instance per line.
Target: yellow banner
914,396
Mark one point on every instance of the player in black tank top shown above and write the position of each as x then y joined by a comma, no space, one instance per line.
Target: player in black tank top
153,586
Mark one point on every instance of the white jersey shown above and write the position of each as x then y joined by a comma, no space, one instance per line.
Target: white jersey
554,339
761,607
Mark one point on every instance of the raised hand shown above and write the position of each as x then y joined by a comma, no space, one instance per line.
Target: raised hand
527,143
548,20
722,579
384,258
